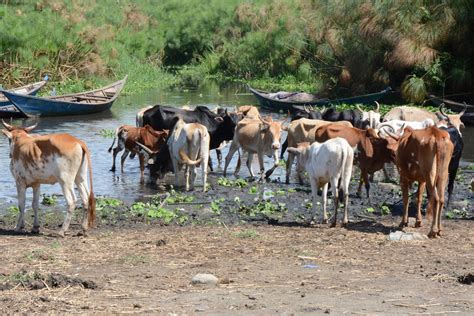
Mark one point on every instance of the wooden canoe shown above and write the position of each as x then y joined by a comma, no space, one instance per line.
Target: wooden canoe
7,109
81,103
286,104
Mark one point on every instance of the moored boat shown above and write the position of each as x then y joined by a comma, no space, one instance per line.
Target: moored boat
7,109
291,101
87,102
457,103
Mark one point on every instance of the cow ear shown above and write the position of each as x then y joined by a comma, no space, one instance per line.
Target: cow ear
7,133
368,148
219,119
264,127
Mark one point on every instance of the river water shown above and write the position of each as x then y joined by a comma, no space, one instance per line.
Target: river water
127,186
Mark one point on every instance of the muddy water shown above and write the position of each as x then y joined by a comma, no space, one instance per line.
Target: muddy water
127,186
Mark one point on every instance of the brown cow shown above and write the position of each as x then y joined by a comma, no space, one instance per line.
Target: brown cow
127,136
373,152
423,156
300,131
248,111
49,159
256,136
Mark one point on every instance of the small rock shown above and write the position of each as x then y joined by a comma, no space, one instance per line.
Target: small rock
204,278
402,236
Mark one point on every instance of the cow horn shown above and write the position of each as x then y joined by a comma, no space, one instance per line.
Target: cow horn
323,109
464,110
31,127
442,112
393,133
378,107
7,126
305,108
148,150
359,108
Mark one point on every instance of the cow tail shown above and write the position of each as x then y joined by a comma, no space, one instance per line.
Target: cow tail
91,212
440,157
185,158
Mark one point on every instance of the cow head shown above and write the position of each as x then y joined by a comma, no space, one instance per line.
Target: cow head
159,161
302,152
451,119
15,132
372,116
272,131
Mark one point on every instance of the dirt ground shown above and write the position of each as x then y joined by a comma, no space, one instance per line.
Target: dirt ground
268,261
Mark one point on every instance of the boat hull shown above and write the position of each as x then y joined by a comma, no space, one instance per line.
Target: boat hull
89,102
285,106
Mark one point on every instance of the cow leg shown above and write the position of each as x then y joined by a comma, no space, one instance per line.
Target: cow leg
141,159
210,163
314,193
289,164
233,148
335,197
204,174
82,187
68,195
249,164
276,162
115,152
262,167
21,191
405,185
432,210
35,206
122,159
219,157
192,175
324,195
421,190
345,220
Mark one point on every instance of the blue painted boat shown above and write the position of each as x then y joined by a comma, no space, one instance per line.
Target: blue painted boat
93,101
7,109
292,101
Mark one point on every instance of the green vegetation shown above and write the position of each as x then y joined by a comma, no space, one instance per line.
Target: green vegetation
245,234
338,47
49,200
241,183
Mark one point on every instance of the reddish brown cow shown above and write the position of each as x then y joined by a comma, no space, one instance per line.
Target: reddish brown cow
373,151
128,136
423,156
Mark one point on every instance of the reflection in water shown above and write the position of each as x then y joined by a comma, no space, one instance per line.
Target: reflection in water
127,186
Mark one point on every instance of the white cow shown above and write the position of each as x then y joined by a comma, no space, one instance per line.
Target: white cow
372,116
397,125
325,163
48,159
189,146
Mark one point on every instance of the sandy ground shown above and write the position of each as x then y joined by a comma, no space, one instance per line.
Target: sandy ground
262,269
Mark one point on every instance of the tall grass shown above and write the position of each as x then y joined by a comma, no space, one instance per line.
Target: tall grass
336,46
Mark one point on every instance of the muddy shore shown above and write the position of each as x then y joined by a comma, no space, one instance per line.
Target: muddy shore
256,239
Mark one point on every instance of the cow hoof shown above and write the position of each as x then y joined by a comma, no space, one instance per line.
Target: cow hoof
439,233
344,225
403,224
112,169
333,224
433,234
35,230
324,221
418,224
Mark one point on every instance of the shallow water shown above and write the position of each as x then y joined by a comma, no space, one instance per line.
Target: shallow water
127,186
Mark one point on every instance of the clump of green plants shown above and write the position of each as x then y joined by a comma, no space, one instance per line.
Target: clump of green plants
264,208
455,213
49,200
108,207
240,182
176,198
246,234
216,206
152,211
107,133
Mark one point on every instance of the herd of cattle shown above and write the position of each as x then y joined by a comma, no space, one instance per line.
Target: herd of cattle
426,148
